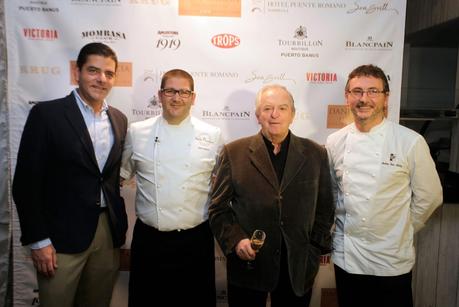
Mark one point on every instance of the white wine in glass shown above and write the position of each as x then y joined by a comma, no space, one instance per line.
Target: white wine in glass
256,242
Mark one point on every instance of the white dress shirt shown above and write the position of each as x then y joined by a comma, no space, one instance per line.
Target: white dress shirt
386,186
173,166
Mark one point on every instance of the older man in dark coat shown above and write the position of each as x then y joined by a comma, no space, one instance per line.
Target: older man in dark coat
279,183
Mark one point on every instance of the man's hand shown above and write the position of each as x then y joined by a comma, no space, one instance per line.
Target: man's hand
244,250
45,260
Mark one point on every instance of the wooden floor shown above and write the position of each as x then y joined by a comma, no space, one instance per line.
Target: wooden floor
436,273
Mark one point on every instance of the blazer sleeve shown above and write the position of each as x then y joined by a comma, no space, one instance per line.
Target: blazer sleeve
30,177
321,231
222,219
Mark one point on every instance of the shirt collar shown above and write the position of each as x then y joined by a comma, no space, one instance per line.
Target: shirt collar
376,129
87,106
284,144
183,123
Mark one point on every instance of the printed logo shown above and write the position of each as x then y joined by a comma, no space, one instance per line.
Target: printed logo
153,103
269,78
38,6
146,102
257,6
219,8
338,116
226,114
204,141
300,46
40,34
369,44
39,70
168,40
300,33
222,296
225,41
302,115
214,74
35,300
97,2
392,161
321,77
107,36
373,8
284,6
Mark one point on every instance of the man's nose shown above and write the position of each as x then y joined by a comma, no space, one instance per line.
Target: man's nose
275,113
365,97
102,77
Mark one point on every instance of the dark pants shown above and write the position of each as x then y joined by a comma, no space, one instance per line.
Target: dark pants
176,267
281,296
355,290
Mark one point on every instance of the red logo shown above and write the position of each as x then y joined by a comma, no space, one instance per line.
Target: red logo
226,40
321,77
40,34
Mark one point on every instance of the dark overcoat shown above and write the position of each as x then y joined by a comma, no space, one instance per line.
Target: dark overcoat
246,195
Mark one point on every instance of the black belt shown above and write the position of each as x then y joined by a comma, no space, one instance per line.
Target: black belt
197,228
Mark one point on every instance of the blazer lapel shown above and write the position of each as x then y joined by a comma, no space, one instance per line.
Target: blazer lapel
260,158
74,116
116,140
295,160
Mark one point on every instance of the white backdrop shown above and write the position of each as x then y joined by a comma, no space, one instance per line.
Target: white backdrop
231,47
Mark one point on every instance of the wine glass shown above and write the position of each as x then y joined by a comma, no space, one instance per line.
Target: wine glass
256,242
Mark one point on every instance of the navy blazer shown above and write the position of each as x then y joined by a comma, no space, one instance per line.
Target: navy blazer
247,195
57,182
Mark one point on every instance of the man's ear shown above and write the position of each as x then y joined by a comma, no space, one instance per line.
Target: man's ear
76,74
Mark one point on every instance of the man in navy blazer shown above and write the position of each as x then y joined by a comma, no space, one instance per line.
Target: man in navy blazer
66,187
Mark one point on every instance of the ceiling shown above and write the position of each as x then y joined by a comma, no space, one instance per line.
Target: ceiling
443,35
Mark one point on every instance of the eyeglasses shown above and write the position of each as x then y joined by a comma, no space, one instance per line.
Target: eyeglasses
357,93
170,92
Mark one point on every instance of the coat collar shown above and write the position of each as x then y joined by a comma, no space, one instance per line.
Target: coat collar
74,116
260,158
296,157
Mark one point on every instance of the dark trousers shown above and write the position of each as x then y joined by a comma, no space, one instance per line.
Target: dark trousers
355,290
176,267
281,296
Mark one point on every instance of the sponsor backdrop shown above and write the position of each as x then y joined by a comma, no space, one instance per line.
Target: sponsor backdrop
231,47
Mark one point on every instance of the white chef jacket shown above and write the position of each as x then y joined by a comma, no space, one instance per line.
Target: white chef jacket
173,166
386,186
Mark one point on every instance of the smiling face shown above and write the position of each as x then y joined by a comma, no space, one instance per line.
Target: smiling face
275,113
367,112
176,108
95,79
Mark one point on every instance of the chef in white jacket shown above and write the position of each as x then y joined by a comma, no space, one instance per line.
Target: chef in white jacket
386,187
172,156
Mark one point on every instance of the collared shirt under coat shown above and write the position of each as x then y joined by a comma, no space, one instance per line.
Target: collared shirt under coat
102,137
